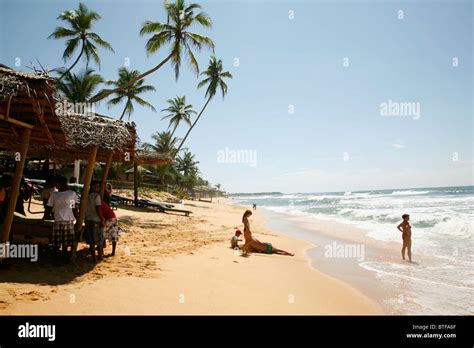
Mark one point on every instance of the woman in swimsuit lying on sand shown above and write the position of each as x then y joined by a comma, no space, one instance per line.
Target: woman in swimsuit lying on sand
252,244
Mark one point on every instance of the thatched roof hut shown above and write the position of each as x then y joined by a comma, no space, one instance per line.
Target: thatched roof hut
32,99
27,99
148,158
83,132
30,125
202,192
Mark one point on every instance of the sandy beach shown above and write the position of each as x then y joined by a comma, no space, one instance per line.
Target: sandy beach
175,265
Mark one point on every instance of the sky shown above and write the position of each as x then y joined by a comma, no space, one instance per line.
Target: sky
326,95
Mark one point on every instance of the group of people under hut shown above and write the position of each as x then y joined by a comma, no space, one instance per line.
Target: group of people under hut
61,205
100,220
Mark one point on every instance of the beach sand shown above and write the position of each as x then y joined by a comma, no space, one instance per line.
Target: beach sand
175,265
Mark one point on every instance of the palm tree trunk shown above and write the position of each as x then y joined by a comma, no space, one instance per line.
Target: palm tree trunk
192,126
73,64
162,182
124,109
132,81
174,130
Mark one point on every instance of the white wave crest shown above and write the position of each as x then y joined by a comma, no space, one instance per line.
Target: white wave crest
409,192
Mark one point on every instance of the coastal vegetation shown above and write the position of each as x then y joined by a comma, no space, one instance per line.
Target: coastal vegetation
178,33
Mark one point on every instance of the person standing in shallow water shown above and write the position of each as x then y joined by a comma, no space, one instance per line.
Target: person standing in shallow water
405,228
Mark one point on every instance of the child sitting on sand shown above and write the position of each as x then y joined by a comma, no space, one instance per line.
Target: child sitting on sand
235,239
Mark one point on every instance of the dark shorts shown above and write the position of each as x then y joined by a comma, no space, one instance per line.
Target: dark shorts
63,233
94,233
268,248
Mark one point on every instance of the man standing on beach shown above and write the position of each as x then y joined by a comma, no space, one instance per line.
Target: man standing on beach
94,222
63,205
405,228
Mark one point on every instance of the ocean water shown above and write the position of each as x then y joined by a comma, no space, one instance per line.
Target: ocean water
442,222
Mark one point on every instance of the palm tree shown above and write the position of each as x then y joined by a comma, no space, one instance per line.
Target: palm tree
79,87
116,170
167,174
214,80
175,32
131,92
165,144
187,164
79,33
178,112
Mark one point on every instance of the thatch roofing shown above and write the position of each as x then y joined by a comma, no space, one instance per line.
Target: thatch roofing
205,189
105,133
13,83
30,98
140,168
151,158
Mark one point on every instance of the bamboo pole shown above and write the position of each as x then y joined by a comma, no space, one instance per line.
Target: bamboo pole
105,173
15,189
15,122
135,182
77,169
85,193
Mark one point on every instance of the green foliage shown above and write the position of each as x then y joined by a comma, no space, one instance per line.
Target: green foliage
130,93
78,32
178,111
175,32
79,87
178,35
214,79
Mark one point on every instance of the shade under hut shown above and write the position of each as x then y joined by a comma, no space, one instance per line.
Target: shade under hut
30,125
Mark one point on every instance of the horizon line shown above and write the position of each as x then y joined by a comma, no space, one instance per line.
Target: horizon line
286,193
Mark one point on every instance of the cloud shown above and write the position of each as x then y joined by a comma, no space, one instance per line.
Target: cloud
398,146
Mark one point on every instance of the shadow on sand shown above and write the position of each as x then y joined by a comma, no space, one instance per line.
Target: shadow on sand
47,270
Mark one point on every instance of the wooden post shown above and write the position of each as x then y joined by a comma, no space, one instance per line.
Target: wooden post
77,169
46,168
15,189
105,173
135,182
85,192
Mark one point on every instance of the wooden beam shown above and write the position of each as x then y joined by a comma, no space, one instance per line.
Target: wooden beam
27,100
40,115
14,132
15,189
105,173
77,169
85,194
135,182
15,122
7,113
